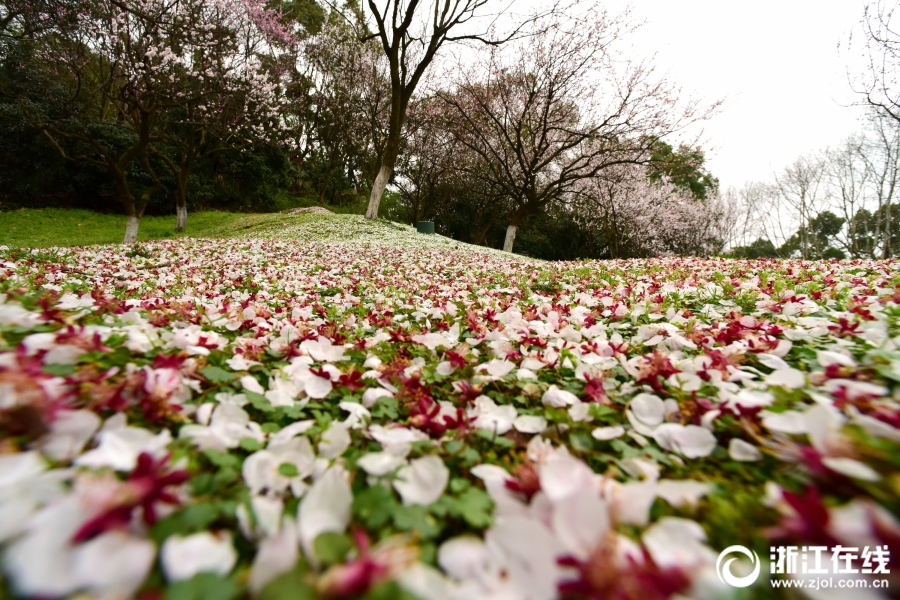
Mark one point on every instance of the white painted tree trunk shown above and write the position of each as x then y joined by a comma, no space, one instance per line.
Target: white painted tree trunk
180,217
384,174
510,238
131,230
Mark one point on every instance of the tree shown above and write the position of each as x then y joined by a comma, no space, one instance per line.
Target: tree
802,188
879,86
562,109
683,168
411,33
131,65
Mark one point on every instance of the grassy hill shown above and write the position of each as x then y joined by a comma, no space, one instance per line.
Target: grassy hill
40,228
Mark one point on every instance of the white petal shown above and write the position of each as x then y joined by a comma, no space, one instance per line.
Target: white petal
291,431
183,557
423,481
691,441
773,362
530,424
317,387
648,409
335,440
69,432
789,378
371,396
580,521
676,542
564,476
608,433
789,421
742,451
249,383
114,563
851,468
463,557
277,554
678,492
558,398
325,507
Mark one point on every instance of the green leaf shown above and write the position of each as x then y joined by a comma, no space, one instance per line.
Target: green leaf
417,518
581,442
250,444
492,437
204,586
289,586
218,375
288,469
375,506
390,590
458,485
259,402
222,459
58,370
475,507
332,548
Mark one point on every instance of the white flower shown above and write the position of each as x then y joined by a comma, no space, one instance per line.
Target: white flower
422,481
183,557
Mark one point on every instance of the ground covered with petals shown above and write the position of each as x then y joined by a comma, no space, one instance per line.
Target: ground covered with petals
268,418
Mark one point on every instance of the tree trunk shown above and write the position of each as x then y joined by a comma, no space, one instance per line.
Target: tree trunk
131,229
384,174
510,238
514,225
180,215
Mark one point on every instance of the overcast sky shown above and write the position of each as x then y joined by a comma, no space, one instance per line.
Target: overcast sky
775,61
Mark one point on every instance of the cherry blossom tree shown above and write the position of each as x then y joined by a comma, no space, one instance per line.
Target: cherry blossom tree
640,218
559,108
230,98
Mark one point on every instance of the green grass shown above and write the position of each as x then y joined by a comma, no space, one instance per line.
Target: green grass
38,228
41,228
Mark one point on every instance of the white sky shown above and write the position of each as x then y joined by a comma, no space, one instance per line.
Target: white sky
777,64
